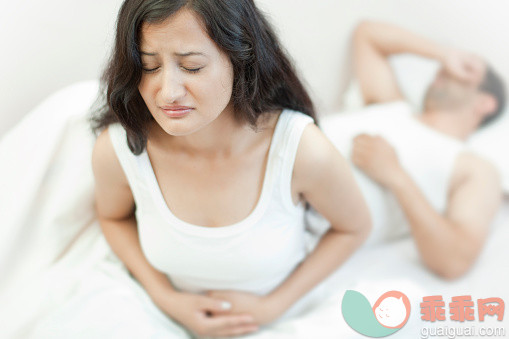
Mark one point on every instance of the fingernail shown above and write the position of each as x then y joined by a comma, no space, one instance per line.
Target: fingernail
225,305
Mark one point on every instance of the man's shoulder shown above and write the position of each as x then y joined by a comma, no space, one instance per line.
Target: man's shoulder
471,166
471,162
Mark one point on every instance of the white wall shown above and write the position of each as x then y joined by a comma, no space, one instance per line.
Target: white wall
49,44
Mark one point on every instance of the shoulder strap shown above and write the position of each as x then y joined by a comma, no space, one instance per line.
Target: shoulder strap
296,123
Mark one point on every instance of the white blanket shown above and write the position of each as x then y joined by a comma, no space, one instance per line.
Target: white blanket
59,278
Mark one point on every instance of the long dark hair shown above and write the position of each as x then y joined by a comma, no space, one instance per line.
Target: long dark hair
264,77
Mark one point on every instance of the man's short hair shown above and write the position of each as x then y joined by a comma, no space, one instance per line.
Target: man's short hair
493,85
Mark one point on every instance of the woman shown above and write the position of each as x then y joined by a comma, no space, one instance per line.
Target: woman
207,161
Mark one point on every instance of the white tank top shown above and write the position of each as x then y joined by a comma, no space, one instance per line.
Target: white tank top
253,255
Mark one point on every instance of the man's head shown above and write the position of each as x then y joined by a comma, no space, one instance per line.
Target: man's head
485,97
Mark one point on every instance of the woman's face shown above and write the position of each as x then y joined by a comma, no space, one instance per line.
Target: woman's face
187,81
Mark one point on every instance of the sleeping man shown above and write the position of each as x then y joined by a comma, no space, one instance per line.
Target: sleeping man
413,168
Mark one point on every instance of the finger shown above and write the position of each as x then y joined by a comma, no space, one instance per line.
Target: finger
476,63
214,305
470,75
463,74
358,161
362,144
362,138
382,141
235,331
218,313
460,71
360,153
363,148
475,70
223,322
479,72
473,67
221,295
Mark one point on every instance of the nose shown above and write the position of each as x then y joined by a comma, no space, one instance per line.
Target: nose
172,88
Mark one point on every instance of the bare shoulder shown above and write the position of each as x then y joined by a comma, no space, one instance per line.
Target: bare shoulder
324,179
475,196
314,145
472,168
104,159
112,192
469,164
316,155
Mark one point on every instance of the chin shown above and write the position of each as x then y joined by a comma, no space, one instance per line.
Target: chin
177,131
180,127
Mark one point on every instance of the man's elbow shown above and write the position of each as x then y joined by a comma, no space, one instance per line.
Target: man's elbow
451,272
362,30
366,29
453,267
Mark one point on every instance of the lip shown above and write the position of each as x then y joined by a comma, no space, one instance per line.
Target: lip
176,111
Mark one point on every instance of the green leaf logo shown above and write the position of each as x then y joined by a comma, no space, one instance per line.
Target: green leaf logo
389,313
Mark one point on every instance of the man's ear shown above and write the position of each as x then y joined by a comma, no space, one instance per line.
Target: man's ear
487,104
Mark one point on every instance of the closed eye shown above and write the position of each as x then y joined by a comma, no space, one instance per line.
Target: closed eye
150,70
192,70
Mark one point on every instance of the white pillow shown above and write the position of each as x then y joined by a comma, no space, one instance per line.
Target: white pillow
46,200
414,74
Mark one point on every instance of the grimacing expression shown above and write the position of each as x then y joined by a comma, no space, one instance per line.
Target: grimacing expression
182,66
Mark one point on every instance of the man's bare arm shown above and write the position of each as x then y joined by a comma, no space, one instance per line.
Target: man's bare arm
373,43
448,244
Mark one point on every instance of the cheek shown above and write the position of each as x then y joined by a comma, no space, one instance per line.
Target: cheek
215,90
145,91
224,87
225,79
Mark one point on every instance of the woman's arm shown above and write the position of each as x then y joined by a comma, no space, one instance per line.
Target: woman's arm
325,180
114,205
122,236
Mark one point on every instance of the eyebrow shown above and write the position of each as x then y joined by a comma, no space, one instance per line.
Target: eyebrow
177,54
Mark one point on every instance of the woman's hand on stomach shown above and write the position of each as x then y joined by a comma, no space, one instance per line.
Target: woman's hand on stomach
263,309
206,315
